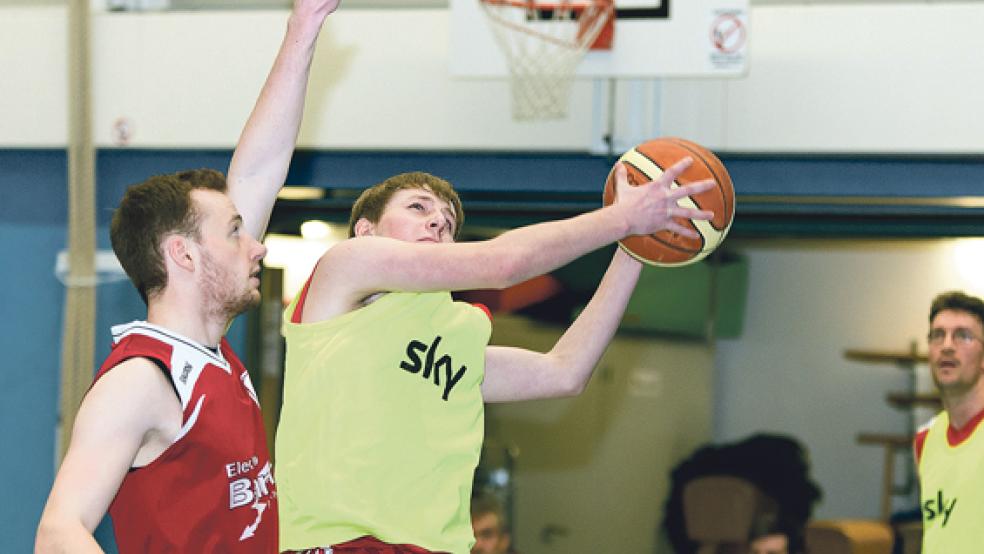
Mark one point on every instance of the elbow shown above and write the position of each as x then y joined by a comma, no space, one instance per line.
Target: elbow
573,389
46,539
570,384
58,533
568,376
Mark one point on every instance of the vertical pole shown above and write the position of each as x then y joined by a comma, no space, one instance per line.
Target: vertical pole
888,482
656,103
271,355
603,117
909,488
80,294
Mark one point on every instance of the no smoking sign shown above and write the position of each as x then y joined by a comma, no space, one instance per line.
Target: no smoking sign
728,33
728,37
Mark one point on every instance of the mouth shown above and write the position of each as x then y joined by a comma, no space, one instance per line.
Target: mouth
427,239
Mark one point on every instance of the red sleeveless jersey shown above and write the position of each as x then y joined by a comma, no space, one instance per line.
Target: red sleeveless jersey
212,490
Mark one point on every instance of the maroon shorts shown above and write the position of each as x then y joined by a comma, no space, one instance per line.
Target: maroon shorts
365,545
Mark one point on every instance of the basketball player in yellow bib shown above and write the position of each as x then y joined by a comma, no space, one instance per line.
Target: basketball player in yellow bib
950,448
386,377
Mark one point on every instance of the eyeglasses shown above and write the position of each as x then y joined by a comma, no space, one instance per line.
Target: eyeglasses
961,335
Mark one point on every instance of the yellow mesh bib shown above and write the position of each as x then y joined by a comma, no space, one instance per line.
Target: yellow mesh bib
382,423
952,491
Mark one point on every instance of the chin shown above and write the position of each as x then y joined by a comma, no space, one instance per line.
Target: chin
244,303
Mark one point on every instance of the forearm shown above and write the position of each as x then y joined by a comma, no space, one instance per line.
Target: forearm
579,349
538,249
262,157
517,374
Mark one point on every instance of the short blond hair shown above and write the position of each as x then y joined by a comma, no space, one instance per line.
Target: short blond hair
372,202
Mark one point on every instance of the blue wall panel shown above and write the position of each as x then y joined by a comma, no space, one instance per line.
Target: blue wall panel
31,300
33,215
33,210
887,176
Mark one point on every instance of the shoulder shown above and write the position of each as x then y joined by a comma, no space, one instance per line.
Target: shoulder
130,403
344,276
136,389
131,344
355,249
919,440
136,375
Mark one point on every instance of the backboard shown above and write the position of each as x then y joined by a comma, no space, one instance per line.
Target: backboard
653,38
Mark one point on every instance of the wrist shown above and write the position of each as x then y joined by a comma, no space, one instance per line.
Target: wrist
301,25
618,221
622,257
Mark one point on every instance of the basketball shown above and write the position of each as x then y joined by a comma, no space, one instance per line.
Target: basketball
645,163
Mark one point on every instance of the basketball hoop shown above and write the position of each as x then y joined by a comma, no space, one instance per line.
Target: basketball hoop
543,41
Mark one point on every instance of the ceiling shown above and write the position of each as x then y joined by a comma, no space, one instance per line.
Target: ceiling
255,4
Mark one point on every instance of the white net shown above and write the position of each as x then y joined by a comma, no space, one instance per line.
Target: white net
543,43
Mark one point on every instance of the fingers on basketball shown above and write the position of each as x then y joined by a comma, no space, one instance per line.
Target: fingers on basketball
712,191
620,175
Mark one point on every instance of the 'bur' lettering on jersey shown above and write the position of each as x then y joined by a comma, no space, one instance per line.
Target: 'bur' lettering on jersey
249,492
245,490
430,366
939,506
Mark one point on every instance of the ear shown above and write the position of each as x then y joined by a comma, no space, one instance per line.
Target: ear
179,252
364,227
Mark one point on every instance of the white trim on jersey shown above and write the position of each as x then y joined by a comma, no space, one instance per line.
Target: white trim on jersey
191,420
168,336
928,424
188,358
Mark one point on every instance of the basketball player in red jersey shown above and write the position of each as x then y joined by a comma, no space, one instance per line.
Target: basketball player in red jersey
169,438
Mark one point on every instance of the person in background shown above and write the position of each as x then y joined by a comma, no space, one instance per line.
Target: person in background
949,449
489,524
777,465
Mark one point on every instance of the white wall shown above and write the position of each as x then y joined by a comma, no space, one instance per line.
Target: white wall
854,78
188,79
807,303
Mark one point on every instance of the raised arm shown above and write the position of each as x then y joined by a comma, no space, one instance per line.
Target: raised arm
262,157
518,374
362,266
124,410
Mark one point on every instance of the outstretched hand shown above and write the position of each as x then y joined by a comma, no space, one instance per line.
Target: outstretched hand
315,8
651,207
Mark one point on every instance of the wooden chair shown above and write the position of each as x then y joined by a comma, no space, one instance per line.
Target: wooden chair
848,536
720,511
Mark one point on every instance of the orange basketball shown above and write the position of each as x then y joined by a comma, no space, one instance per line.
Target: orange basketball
645,163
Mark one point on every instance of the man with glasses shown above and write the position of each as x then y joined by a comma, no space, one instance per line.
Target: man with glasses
949,449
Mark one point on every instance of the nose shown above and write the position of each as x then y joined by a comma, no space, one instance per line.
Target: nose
948,346
437,221
259,250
